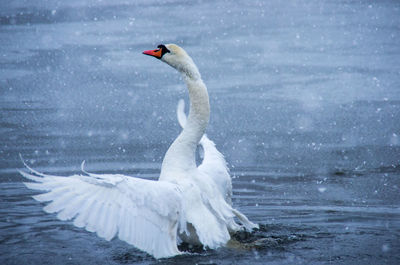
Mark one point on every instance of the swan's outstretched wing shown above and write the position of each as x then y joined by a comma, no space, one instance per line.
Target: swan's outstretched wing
213,163
142,212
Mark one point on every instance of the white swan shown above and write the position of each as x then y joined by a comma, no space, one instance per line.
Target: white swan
187,203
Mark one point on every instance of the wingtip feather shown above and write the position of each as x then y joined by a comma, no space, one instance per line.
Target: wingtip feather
83,167
30,176
35,186
31,169
245,221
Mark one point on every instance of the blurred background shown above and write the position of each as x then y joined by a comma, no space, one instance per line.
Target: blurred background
305,106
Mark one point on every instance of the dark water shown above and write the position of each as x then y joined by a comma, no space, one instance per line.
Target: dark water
305,102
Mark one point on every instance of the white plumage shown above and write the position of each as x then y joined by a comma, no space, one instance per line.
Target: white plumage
188,203
142,212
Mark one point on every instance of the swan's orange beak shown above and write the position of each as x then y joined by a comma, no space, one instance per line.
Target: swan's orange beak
156,53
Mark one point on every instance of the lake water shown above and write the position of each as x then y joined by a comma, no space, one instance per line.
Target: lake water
305,101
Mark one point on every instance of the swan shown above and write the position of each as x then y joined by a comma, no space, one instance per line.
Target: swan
188,203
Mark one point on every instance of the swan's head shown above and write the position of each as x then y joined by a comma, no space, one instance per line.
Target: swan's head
176,57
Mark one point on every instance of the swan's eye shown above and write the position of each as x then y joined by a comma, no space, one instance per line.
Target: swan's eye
163,48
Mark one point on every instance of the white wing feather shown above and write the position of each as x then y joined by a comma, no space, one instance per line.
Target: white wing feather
142,212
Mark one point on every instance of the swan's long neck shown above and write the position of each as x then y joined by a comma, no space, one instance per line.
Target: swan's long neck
180,157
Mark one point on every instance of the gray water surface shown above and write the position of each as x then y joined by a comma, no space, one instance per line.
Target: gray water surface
305,99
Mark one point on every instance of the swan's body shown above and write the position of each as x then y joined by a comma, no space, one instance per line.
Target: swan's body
188,203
